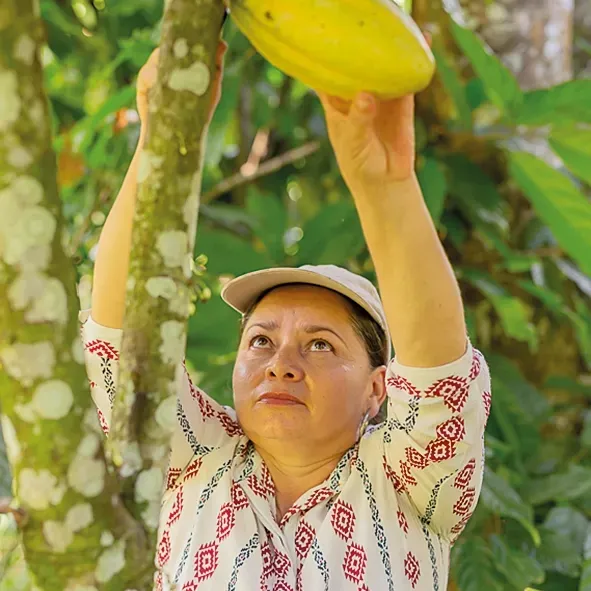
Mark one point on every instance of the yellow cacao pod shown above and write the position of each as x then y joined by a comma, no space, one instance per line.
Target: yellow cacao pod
340,47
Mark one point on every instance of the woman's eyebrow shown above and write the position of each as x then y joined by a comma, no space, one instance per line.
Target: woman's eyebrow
312,328
271,325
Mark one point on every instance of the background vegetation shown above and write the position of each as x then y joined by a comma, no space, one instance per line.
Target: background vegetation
506,174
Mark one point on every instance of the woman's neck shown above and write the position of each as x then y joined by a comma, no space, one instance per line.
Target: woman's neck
293,479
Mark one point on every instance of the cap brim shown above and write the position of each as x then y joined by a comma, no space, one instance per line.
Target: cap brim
242,292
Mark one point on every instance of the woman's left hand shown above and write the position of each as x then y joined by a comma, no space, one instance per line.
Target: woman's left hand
373,139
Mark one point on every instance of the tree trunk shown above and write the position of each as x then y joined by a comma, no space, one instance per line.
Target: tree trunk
582,34
534,38
160,287
61,479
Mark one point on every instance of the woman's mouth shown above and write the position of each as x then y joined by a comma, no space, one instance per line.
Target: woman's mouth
279,398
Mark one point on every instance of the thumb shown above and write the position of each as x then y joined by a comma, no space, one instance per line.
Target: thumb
361,115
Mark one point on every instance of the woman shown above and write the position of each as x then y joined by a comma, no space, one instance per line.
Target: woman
293,490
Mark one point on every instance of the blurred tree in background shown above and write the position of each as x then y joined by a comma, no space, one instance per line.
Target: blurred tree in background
505,168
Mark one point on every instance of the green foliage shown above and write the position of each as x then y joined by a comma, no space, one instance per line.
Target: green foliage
519,237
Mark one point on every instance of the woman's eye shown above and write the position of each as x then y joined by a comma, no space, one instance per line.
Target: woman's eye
320,345
259,342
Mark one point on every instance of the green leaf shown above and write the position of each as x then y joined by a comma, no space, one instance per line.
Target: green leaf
271,218
573,145
532,404
558,553
501,498
565,210
333,236
227,254
477,195
520,569
568,522
453,85
434,187
89,125
513,312
473,567
568,486
558,105
500,85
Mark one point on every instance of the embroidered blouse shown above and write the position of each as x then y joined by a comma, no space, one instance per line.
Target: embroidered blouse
385,519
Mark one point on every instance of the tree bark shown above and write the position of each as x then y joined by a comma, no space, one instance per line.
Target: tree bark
534,38
582,34
160,287
61,480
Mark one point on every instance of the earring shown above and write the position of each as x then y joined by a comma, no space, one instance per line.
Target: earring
363,426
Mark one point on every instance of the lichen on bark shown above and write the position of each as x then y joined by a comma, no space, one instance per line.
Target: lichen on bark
44,396
160,274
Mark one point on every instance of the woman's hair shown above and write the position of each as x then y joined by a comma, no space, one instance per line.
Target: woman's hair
370,332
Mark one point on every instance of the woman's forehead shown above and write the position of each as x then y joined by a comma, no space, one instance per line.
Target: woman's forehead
310,300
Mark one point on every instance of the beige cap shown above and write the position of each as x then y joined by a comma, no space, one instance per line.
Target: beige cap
242,292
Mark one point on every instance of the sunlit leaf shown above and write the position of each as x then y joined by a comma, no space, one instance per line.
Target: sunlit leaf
558,105
565,210
499,83
573,145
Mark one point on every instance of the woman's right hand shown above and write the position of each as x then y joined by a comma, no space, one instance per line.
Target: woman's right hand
149,73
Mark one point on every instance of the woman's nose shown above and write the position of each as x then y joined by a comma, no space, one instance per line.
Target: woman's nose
283,368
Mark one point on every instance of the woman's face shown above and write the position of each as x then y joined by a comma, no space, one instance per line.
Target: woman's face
302,372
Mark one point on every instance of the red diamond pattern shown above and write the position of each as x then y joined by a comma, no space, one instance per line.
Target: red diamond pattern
392,476
171,477
402,522
412,569
403,384
102,349
225,522
177,508
158,581
163,553
190,586
281,564
465,475
304,537
193,468
239,498
408,478
267,560
206,561
458,528
464,504
257,486
282,586
453,390
355,563
415,458
343,520
453,429
317,497
439,450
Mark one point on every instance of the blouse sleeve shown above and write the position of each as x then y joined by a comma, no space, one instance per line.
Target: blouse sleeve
202,424
434,438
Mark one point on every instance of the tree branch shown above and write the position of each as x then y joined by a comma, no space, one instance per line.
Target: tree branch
268,167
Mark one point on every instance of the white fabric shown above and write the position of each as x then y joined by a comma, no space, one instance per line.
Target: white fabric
384,520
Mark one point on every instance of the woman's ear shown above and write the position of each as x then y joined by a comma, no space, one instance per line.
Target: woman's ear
378,390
